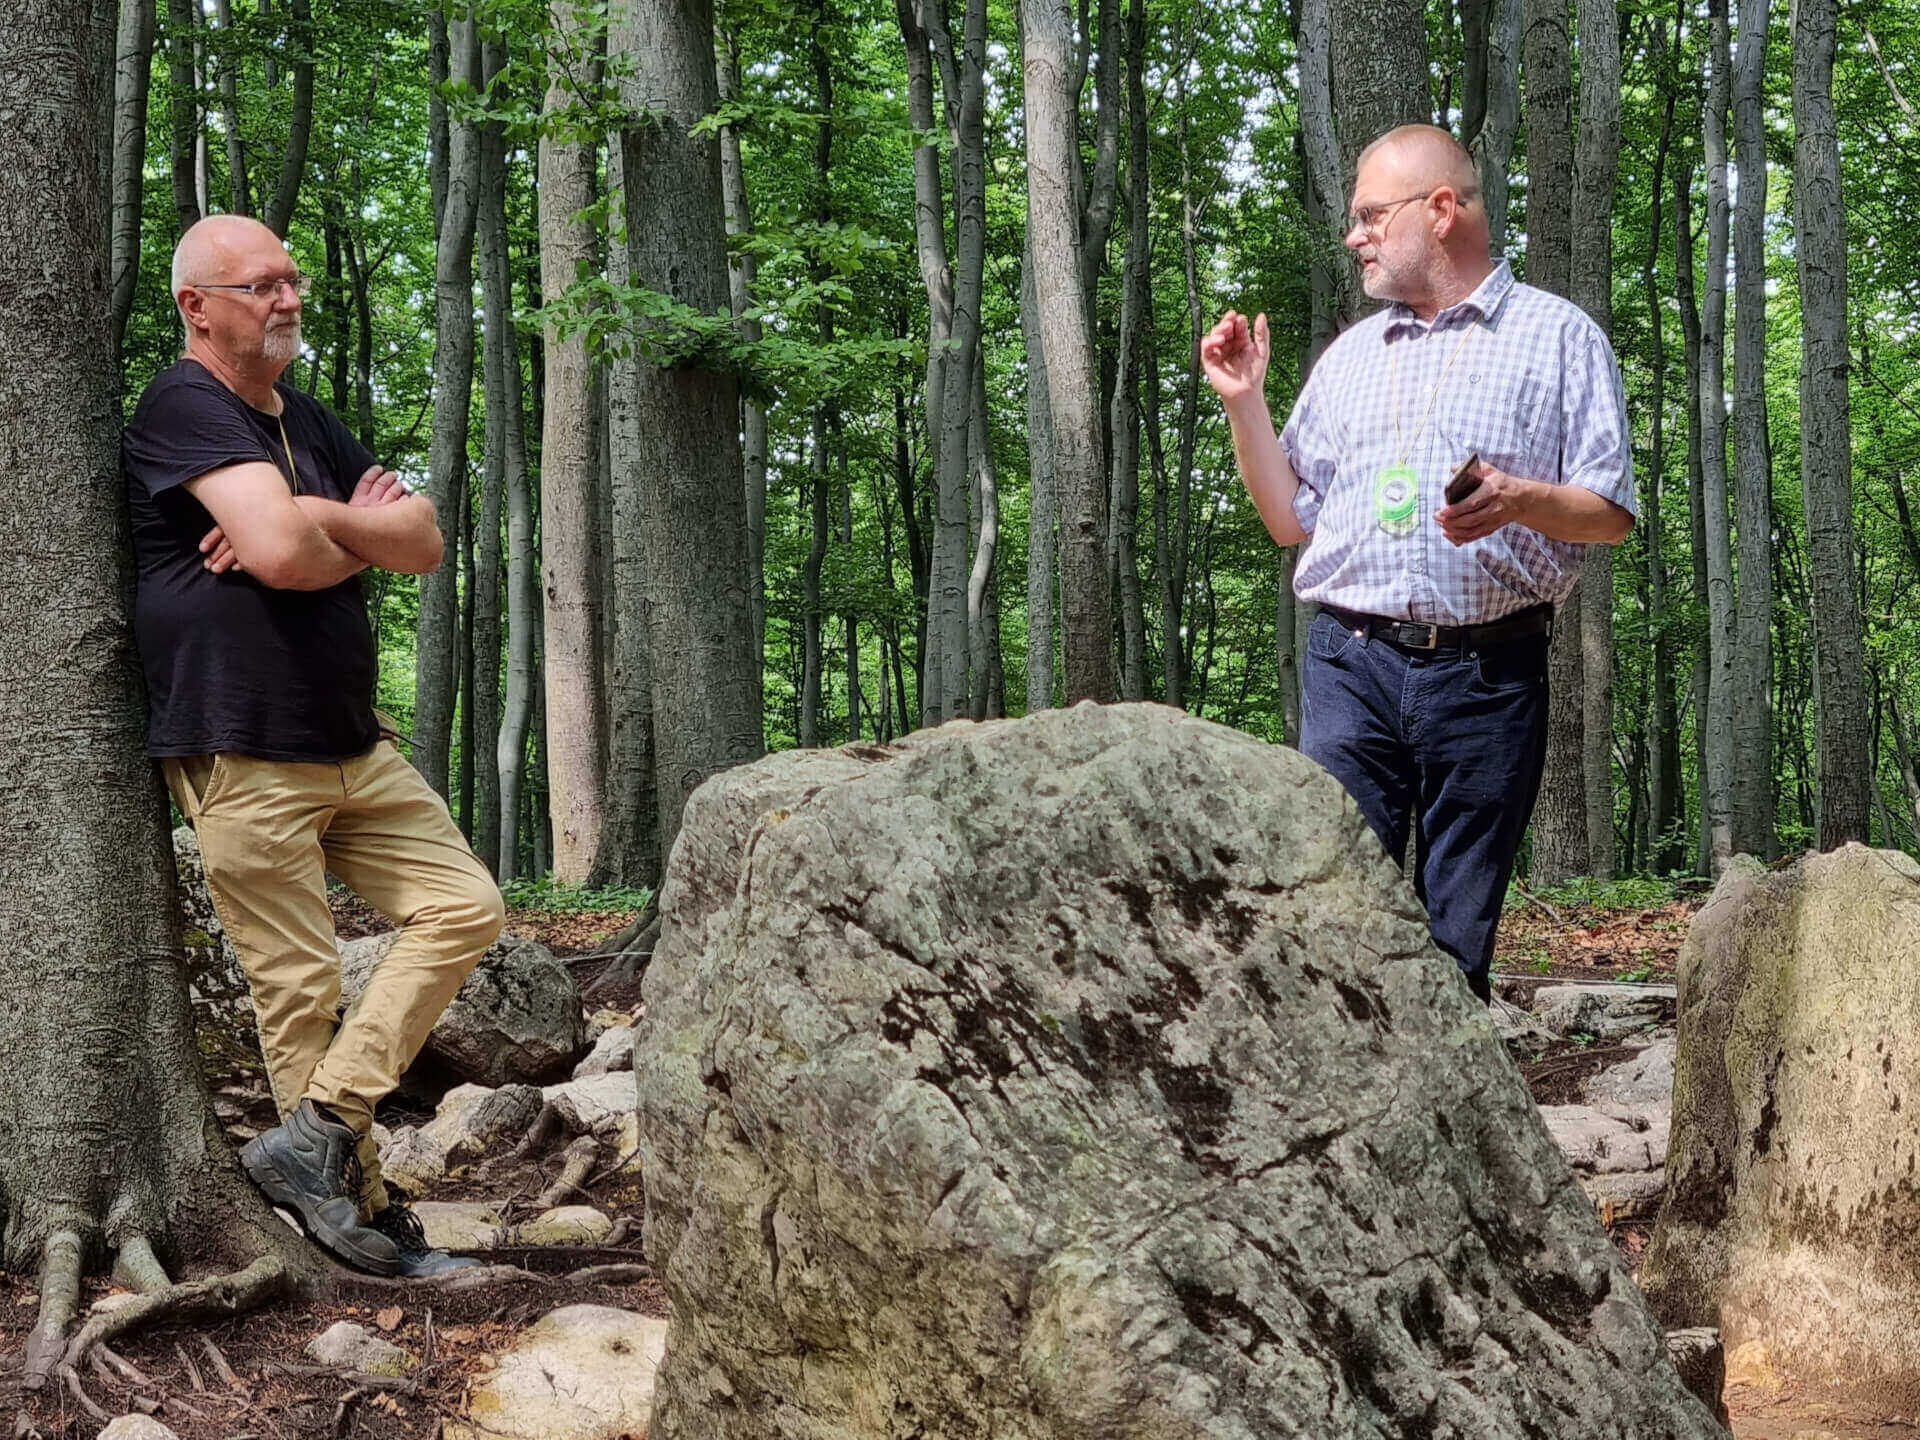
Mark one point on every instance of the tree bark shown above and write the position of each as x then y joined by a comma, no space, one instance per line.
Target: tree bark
452,402
1492,144
293,160
1597,164
111,1141
694,483
1664,788
983,609
1379,73
1751,793
1713,449
742,271
1560,833
1072,382
1043,506
1135,316
183,112
133,73
227,52
1826,468
575,673
1701,683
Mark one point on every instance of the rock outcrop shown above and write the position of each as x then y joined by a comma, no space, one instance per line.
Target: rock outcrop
517,1017
1792,1200
1094,1075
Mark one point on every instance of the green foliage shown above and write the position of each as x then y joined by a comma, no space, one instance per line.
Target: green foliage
549,896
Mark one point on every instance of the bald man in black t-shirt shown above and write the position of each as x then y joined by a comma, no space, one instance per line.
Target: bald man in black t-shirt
254,510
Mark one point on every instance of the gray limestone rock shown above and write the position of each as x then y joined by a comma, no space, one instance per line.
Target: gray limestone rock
1793,1197
354,1347
612,1051
516,1018
1605,1013
471,1120
1619,1155
1702,1363
1094,1075
1646,1080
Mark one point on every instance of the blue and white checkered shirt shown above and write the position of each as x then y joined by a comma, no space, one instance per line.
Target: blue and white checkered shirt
1534,390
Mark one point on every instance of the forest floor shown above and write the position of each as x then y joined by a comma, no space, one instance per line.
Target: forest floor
1630,931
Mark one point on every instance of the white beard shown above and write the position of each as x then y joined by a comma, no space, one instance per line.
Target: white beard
281,343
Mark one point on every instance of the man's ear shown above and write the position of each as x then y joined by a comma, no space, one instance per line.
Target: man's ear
192,306
1449,214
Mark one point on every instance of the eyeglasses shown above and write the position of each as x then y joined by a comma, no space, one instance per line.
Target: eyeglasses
1369,217
301,285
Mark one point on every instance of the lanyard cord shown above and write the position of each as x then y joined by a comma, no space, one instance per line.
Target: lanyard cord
293,471
1420,429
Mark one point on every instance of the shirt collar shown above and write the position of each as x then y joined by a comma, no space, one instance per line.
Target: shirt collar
1482,304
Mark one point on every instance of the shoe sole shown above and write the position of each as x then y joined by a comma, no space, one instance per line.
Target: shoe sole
275,1186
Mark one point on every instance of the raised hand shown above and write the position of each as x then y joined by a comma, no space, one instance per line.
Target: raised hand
1235,354
379,486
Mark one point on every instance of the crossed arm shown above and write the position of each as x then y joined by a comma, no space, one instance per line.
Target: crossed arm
304,542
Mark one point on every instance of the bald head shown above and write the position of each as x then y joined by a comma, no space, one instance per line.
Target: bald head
217,249
1424,157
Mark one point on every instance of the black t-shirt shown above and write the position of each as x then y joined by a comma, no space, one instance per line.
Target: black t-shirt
232,664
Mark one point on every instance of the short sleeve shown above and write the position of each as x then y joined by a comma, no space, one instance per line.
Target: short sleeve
1595,452
182,431
1309,446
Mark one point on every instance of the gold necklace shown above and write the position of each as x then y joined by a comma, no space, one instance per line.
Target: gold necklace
1407,449
293,471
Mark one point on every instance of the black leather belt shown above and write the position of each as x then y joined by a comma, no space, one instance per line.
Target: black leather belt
1415,635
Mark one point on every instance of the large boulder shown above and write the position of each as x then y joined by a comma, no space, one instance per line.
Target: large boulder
1094,1075
517,1017
1793,1205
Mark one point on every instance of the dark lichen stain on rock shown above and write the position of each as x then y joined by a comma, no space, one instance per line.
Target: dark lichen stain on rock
1139,900
1217,1314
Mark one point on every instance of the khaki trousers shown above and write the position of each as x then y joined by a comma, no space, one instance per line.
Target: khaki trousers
269,831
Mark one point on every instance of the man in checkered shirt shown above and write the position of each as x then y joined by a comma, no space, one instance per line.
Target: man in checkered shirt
1424,685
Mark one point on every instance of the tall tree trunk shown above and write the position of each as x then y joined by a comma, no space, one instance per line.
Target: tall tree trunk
694,482
133,72
1073,387
966,105
742,270
1826,468
1597,164
810,648
1560,835
850,622
1043,507
227,52
111,1142
501,369
1751,794
1713,448
936,274
1492,144
439,133
1701,683
1379,74
463,547
1663,731
183,112
1135,316
452,403
575,674
293,160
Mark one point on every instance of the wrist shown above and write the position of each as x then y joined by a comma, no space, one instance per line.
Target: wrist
1249,405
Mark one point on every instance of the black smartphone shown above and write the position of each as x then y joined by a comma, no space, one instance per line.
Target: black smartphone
1464,482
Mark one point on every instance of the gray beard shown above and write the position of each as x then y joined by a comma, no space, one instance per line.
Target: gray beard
282,344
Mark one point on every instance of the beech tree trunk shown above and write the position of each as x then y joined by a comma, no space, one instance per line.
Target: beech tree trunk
183,113
133,72
1073,388
575,674
452,402
1379,71
693,480
1135,317
293,160
1751,794
1560,835
111,1143
1665,787
1043,505
1492,143
1597,163
1701,682
1713,449
1826,462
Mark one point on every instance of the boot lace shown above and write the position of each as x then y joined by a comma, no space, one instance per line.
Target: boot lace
400,1225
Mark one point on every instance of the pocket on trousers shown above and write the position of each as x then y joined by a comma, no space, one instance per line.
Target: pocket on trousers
1513,669
389,727
1328,639
194,781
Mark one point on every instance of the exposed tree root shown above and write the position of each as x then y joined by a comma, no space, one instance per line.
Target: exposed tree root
617,1236
217,1297
578,1164
193,1370
59,1301
80,1396
138,1269
222,1368
610,1275
631,949
125,1369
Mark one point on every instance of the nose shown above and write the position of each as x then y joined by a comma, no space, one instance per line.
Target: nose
1356,234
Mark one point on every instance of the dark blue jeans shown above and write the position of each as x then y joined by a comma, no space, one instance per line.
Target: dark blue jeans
1452,738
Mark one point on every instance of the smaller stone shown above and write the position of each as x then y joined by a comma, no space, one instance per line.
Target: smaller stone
471,1120
1646,1079
1606,1013
626,1144
602,1021
612,1052
566,1225
354,1347
583,1372
453,1226
596,1103
1697,1355
136,1427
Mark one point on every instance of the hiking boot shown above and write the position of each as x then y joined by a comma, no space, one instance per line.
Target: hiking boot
309,1166
417,1258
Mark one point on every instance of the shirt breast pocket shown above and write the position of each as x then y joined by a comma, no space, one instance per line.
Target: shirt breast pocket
1501,415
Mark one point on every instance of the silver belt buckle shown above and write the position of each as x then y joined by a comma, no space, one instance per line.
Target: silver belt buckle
1432,641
